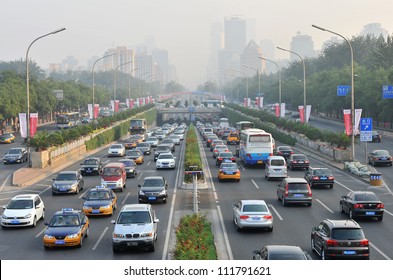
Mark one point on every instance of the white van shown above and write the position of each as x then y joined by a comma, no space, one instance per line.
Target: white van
276,167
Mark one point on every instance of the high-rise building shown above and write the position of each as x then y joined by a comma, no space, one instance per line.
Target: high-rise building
303,45
235,34
374,29
216,45
250,57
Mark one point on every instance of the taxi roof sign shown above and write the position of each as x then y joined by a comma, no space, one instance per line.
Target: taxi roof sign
67,209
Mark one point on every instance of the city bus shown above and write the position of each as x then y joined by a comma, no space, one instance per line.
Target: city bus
242,125
255,146
138,126
223,123
67,120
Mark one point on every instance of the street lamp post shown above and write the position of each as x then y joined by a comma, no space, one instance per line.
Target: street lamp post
352,87
259,79
279,78
92,72
246,84
28,92
304,81
114,83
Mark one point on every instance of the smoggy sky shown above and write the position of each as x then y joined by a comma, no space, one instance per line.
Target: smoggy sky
182,27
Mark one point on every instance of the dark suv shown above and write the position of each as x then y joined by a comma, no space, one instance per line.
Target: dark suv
91,166
153,189
319,176
339,239
294,190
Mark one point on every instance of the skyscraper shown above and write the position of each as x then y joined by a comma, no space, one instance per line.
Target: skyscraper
302,45
235,34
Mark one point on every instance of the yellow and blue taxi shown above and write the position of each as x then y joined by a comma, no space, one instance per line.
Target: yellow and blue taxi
136,155
7,138
99,201
68,227
229,171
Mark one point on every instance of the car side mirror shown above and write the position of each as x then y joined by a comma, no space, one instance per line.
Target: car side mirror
156,220
54,179
139,186
47,224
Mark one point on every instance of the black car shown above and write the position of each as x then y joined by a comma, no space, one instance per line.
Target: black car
319,176
362,204
280,252
379,157
284,151
161,148
376,136
153,189
15,155
91,166
298,161
340,239
131,167
144,147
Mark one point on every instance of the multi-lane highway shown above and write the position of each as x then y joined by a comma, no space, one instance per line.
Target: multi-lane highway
292,225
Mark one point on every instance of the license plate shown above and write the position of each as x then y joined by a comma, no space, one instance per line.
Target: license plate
259,161
95,211
15,222
88,171
227,160
276,170
383,158
298,195
132,244
349,252
255,218
370,213
323,178
300,161
152,198
59,242
63,190
229,173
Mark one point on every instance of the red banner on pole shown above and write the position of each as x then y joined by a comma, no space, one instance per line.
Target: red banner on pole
347,122
277,109
96,110
33,123
301,113
117,106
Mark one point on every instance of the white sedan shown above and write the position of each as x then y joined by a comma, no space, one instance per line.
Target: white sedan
252,214
117,150
166,160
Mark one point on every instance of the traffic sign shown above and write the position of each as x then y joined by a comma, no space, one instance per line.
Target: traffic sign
366,124
343,90
387,91
366,136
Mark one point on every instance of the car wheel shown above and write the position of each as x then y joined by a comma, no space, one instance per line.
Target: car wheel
152,247
115,206
331,186
283,202
309,204
342,209
115,250
34,221
121,189
373,163
351,215
380,218
87,232
81,242
270,229
43,214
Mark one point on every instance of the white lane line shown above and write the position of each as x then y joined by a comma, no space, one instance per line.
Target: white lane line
276,212
327,208
124,200
390,213
227,243
242,167
379,251
140,175
148,163
5,181
42,185
342,185
83,193
100,238
255,184
41,232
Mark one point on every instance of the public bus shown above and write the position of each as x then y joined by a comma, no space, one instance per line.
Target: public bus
138,126
223,123
67,120
242,125
255,146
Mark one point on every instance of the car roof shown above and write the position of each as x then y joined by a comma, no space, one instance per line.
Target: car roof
153,177
276,157
135,207
67,211
295,180
284,249
253,201
342,223
90,158
114,164
24,196
163,154
68,172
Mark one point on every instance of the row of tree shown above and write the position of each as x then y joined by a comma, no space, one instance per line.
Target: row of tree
373,68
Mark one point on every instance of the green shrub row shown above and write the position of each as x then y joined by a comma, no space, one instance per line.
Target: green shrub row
340,140
194,239
192,155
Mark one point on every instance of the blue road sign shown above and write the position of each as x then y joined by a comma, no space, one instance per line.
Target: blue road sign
191,109
387,91
366,124
343,90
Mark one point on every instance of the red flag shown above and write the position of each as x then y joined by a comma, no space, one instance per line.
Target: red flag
347,122
301,113
33,123
277,106
96,110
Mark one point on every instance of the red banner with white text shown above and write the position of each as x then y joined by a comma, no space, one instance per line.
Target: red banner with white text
347,122
301,113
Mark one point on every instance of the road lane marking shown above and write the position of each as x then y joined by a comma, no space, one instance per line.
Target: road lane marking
379,251
140,175
327,208
5,181
41,232
276,212
148,163
227,243
255,184
124,200
100,238
342,185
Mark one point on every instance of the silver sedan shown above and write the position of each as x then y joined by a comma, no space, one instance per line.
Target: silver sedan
252,214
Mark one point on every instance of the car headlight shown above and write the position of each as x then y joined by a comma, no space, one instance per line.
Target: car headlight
86,207
106,206
118,235
147,234
73,235
27,216
4,216
141,193
163,192
48,236
95,168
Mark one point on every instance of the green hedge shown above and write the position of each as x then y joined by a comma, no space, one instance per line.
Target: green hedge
192,154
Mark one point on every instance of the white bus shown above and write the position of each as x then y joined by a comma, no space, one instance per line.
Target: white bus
256,145
68,120
223,123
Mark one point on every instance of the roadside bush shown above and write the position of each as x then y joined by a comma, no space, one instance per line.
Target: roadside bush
192,154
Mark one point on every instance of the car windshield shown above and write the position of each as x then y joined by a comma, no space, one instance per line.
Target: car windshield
254,208
165,156
366,197
66,177
277,162
284,148
153,139
162,148
153,183
116,146
142,144
133,153
139,217
287,256
228,166
20,204
320,172
347,234
381,153
64,221
128,163
111,171
90,162
15,152
98,195
167,141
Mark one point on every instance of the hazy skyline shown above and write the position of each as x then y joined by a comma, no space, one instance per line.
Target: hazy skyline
182,27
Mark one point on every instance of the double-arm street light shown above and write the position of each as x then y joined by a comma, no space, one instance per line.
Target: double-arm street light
279,78
92,72
304,81
259,79
28,91
352,86
114,83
